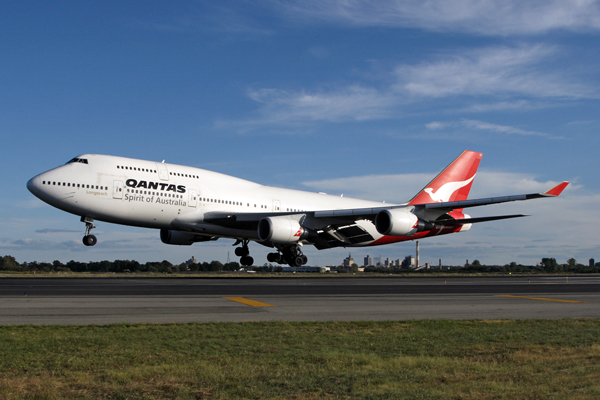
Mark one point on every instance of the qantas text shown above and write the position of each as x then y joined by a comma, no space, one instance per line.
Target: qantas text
155,185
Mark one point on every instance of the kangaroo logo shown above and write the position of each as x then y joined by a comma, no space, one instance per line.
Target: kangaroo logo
444,193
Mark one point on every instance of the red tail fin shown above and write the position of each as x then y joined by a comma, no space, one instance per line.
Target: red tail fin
453,183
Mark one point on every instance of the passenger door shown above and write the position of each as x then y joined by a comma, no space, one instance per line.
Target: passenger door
163,173
117,189
193,198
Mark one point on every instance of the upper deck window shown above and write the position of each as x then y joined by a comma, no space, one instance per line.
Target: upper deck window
78,160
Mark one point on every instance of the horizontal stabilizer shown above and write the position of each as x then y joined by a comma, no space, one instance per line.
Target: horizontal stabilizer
464,221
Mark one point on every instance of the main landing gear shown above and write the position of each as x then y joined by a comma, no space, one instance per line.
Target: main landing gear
290,255
89,240
244,253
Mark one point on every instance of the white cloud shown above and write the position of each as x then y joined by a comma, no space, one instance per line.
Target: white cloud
483,17
486,126
486,76
519,105
353,103
495,71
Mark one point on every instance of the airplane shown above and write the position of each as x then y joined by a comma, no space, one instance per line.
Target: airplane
191,205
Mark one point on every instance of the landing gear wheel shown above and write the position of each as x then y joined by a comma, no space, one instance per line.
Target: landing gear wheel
293,256
274,257
242,251
247,261
90,240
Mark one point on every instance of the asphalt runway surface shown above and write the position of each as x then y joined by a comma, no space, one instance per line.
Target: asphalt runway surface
75,301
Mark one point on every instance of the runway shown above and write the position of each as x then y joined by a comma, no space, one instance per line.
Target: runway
76,301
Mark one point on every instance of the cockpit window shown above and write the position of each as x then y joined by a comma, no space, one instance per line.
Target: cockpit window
78,160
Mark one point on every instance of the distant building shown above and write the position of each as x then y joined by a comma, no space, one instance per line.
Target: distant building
348,261
409,262
191,261
368,261
592,262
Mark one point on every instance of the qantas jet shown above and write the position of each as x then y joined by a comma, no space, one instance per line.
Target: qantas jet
191,205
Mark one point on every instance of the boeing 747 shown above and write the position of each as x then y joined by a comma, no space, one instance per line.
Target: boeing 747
190,205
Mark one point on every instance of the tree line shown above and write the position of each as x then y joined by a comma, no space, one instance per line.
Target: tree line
9,263
547,265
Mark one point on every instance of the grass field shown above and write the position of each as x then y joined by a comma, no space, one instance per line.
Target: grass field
526,359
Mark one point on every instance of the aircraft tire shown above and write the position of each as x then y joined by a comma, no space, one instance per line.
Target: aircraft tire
90,240
247,261
274,257
241,251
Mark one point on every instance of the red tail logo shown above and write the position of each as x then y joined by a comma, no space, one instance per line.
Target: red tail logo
453,183
445,192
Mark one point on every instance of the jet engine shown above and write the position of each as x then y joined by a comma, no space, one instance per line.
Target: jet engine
280,230
181,238
396,222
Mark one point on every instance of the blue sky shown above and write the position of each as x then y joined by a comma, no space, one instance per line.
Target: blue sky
366,98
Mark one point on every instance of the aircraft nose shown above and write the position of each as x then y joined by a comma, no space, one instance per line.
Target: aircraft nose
34,185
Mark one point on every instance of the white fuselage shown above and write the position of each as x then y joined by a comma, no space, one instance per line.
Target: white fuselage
167,196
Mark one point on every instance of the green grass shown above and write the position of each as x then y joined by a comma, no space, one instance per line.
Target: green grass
525,359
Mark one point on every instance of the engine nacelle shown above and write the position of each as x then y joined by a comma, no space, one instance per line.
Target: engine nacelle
280,230
396,222
180,238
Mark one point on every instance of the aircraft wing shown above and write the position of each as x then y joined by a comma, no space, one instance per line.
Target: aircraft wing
369,213
339,227
452,205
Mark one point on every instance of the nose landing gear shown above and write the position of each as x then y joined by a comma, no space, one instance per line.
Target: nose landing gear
89,240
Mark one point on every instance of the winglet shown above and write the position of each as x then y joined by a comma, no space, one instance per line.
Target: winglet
556,190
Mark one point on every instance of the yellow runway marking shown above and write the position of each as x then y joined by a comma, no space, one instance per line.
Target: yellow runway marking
540,298
249,302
